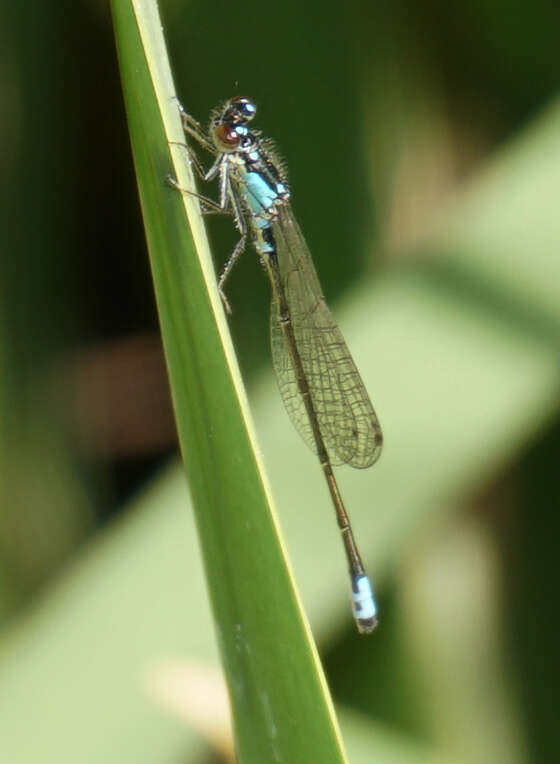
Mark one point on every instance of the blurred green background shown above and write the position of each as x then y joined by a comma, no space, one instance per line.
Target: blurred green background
423,146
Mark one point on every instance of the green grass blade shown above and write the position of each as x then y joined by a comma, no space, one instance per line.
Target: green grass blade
280,705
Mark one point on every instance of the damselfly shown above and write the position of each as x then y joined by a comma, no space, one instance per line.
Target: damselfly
318,380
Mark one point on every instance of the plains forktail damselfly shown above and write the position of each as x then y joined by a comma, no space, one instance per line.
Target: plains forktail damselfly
318,380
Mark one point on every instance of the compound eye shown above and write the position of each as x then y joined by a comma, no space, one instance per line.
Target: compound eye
226,138
243,108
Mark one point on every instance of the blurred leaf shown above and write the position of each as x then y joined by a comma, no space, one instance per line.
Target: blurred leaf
364,737
45,507
84,660
451,627
501,237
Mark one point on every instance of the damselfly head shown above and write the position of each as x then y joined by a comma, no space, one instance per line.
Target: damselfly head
230,138
238,111
228,125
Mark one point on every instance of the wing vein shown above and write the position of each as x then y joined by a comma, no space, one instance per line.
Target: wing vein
346,418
